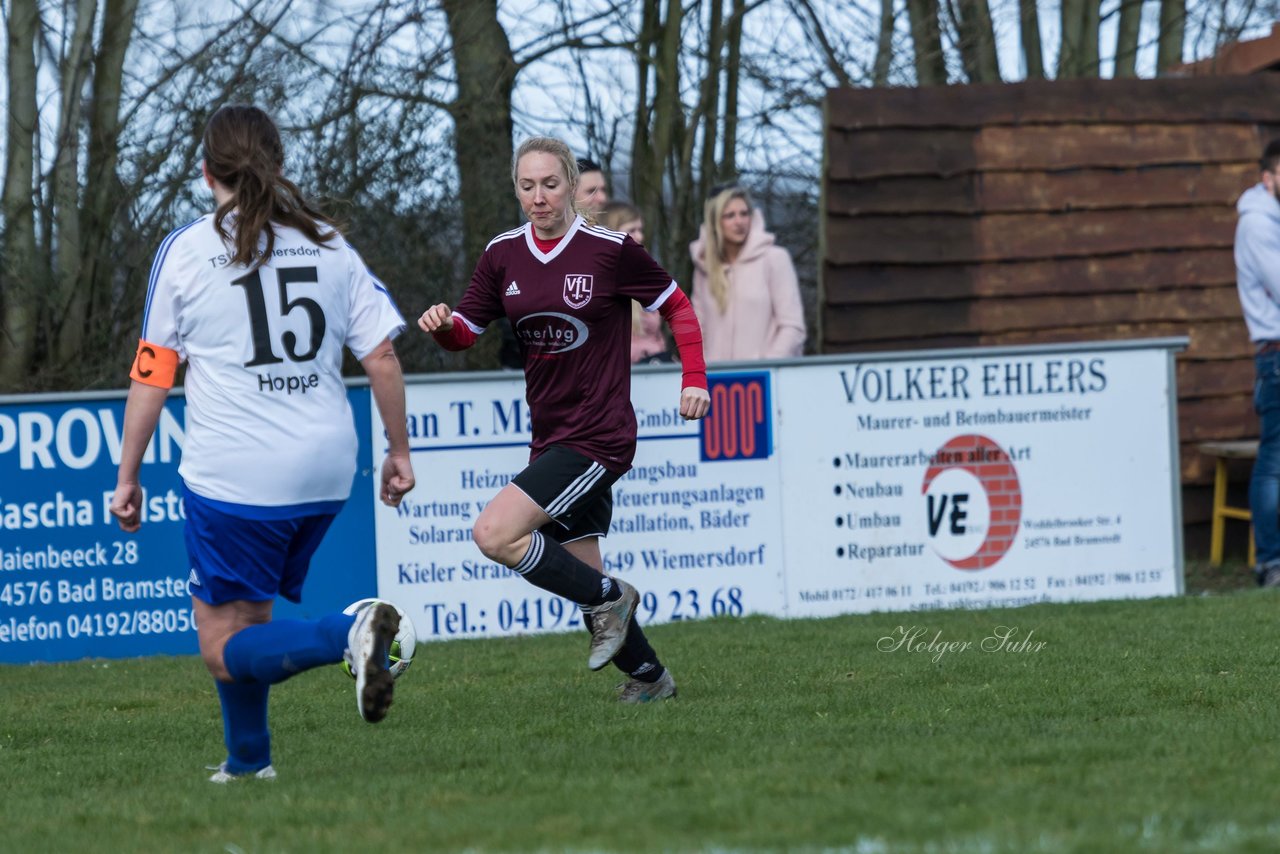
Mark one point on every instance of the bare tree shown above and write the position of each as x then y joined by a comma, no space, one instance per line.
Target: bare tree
732,81
1078,52
403,113
1173,28
486,73
884,44
22,284
977,42
926,37
103,187
1127,30
66,307
1029,30
808,16
659,116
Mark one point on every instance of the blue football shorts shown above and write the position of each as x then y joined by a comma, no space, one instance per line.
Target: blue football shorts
234,558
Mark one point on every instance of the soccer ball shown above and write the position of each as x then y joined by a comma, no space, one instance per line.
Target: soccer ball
402,648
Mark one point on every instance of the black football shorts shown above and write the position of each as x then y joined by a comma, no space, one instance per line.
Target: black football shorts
574,490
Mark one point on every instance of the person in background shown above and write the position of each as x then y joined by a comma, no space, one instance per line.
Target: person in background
270,448
567,287
593,189
1257,254
647,342
744,285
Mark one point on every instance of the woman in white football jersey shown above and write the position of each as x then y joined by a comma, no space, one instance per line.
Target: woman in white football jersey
259,299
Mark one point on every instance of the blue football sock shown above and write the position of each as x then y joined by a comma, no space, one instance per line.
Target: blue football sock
272,652
244,725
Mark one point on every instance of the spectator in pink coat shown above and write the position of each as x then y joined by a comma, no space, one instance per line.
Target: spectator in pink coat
745,291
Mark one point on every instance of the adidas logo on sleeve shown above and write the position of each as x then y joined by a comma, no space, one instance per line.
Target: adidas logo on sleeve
513,290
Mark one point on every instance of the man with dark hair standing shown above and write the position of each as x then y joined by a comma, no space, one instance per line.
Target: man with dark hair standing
1257,250
593,189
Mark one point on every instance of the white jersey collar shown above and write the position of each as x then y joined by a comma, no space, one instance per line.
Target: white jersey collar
548,257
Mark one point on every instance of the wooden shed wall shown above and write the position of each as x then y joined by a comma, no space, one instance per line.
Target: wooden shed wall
1051,211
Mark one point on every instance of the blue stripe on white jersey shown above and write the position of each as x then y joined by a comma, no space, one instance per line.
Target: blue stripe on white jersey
377,283
385,292
156,266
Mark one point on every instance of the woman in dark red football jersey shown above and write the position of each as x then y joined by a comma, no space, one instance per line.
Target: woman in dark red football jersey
567,288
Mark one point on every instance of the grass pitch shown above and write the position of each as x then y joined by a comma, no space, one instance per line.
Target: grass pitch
1134,726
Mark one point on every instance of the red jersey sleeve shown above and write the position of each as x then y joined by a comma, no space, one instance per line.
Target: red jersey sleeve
677,311
458,337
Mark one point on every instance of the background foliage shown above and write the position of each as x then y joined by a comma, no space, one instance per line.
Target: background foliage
401,115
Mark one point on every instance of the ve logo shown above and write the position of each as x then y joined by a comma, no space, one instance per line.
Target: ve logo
973,502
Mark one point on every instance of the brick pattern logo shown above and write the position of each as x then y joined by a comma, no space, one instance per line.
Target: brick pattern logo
974,502
740,423
577,289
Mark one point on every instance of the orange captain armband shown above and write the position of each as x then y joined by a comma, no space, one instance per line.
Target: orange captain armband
154,365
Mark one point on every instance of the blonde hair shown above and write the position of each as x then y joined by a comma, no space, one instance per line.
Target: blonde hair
713,249
617,214
558,149
614,216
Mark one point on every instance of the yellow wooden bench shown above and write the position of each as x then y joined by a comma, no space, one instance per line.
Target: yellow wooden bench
1222,452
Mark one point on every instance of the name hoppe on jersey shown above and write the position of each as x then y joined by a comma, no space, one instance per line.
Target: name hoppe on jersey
288,385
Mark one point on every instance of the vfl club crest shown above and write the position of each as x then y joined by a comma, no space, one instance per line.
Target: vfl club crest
577,290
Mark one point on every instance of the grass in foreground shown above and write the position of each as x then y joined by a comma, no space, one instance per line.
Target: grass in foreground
1137,726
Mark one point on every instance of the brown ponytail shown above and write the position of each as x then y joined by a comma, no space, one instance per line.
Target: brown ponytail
242,150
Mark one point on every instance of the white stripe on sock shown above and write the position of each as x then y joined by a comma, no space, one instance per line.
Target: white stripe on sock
532,556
